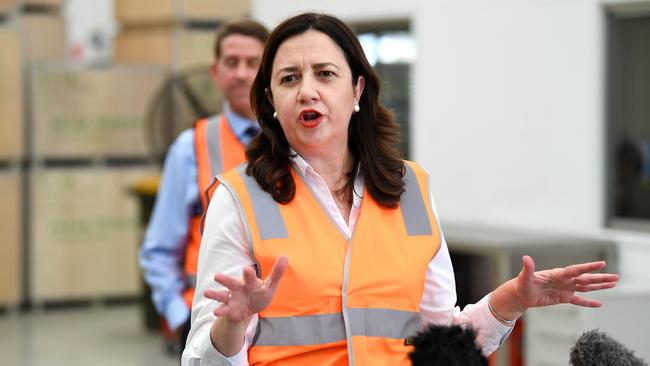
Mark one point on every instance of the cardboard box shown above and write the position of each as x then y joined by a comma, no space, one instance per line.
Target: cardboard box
43,37
7,6
44,2
91,113
174,47
10,5
11,97
11,246
85,237
165,11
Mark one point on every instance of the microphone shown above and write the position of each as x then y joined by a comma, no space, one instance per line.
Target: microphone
595,348
440,345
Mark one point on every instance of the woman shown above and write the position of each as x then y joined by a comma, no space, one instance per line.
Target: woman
342,231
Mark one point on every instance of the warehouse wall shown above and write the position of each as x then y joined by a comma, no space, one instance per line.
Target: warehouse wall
509,110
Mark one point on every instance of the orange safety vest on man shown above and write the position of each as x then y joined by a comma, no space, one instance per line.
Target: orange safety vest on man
342,300
217,150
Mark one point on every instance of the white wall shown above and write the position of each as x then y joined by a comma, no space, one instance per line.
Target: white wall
85,20
509,110
273,12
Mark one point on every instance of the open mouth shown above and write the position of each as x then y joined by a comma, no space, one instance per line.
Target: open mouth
310,118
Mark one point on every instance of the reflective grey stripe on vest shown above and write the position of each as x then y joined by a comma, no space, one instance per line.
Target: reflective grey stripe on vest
414,211
267,212
384,323
301,330
328,328
213,143
272,226
213,137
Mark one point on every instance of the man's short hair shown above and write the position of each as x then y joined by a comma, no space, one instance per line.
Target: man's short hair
244,27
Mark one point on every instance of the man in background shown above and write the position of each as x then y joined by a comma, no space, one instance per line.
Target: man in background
170,250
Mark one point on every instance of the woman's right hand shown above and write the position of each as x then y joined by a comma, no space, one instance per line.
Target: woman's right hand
248,296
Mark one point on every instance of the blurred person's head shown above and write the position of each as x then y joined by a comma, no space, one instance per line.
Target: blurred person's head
312,77
238,50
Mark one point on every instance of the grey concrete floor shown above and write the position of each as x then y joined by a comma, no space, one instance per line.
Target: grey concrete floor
98,336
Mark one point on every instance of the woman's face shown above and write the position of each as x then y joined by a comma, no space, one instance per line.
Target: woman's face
313,93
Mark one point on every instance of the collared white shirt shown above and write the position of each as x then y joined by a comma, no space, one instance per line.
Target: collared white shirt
224,249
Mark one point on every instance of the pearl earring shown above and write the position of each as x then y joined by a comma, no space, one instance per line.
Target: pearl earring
275,114
356,108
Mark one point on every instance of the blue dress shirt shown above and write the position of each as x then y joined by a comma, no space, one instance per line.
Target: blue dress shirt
161,255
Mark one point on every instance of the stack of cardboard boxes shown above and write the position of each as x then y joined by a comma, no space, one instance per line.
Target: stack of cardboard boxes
174,33
85,149
11,96
11,153
40,26
31,32
71,146
88,148
10,239
73,142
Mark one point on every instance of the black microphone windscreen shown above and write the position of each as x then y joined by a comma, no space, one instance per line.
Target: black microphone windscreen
595,348
439,345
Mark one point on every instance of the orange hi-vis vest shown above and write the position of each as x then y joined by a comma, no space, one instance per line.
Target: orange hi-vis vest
217,150
342,301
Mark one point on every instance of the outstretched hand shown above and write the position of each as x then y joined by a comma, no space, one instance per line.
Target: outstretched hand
247,296
561,285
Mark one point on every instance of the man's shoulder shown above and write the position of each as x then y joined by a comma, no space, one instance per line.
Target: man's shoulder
185,138
183,146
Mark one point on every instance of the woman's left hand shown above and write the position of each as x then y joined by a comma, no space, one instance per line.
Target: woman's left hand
561,285
549,287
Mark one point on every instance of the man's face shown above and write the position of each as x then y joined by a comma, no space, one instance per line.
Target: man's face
234,71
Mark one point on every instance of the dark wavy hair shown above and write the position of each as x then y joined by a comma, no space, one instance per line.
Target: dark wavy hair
373,134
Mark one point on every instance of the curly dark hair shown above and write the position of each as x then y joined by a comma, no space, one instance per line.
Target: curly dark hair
373,134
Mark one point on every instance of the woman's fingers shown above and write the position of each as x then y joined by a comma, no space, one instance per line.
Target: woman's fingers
577,270
221,296
527,267
221,311
251,282
590,278
248,294
595,286
277,271
583,301
232,283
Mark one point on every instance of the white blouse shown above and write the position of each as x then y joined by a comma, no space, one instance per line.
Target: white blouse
224,249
